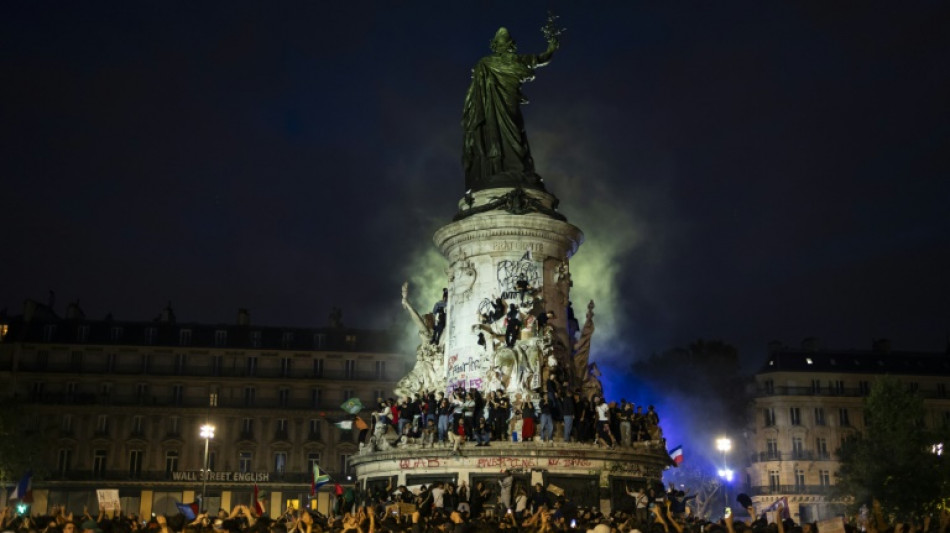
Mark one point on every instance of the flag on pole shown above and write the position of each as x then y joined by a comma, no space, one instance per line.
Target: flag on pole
676,454
188,510
318,479
24,489
258,506
352,406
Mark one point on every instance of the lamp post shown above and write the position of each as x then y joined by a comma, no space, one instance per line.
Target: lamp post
723,444
207,433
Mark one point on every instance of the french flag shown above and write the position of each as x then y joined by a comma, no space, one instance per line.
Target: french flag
676,454
24,489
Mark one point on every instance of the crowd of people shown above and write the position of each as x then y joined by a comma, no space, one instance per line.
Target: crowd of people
430,419
443,507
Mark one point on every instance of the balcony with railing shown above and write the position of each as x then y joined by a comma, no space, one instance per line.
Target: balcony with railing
818,490
804,455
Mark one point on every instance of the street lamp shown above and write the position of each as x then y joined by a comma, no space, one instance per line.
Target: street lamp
723,444
207,433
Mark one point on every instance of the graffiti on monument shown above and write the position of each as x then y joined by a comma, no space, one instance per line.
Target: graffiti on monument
523,272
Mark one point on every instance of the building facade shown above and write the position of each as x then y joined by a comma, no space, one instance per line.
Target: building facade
808,401
119,405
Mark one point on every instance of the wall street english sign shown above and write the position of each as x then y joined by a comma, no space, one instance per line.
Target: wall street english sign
196,475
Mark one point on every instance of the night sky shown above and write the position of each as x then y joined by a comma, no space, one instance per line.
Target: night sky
744,171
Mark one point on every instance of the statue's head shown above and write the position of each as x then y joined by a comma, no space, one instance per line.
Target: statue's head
502,42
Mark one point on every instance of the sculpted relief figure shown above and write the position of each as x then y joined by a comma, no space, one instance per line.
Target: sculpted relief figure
495,149
429,371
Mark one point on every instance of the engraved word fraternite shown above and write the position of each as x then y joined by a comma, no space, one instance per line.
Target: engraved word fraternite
495,151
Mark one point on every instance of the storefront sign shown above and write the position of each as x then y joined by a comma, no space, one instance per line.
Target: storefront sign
196,475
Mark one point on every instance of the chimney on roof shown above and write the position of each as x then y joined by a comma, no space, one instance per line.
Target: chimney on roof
168,314
775,346
74,312
881,346
244,317
810,344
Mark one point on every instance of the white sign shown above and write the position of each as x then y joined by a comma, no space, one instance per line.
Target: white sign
108,499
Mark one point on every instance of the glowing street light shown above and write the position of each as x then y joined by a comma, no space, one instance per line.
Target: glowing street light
724,445
207,433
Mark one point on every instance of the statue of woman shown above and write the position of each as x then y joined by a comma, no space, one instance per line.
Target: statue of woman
495,148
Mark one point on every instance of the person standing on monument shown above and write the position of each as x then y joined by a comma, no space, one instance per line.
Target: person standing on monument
495,150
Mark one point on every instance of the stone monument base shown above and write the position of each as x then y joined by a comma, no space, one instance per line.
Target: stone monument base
588,475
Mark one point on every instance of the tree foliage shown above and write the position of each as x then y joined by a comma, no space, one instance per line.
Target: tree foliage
894,459
21,448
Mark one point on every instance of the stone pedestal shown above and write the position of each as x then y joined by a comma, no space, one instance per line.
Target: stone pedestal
489,253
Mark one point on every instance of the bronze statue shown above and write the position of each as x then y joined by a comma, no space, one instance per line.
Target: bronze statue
495,149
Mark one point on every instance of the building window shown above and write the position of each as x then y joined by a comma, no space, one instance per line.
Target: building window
138,425
171,462
347,394
771,449
146,363
102,425
72,389
135,463
75,362
913,386
380,369
864,388
313,461
67,424
211,457
141,392
821,448
349,369
213,399
4,329
36,391
99,463
49,331
280,462
287,339
255,339
378,395
350,341
82,333
286,367
178,394
283,397
110,362
837,386
315,429
42,359
249,395
250,366
179,364
173,426
798,448
941,390
774,481
220,337
318,368
281,429
115,334
315,397
64,461
843,417
184,337
247,429
769,416
150,334
795,416
244,461
824,478
319,341
216,361
819,416
106,390
799,479
816,386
